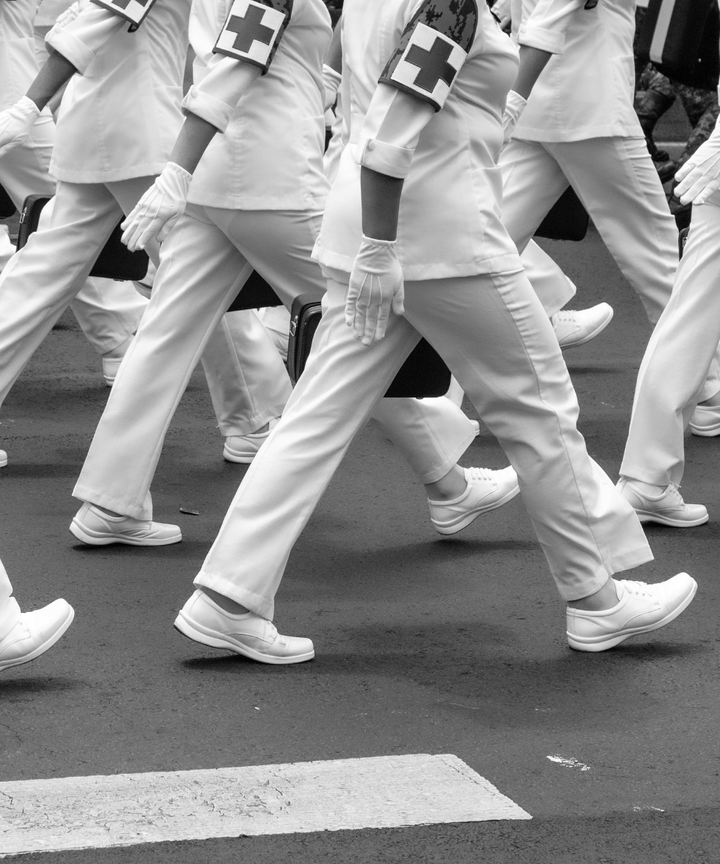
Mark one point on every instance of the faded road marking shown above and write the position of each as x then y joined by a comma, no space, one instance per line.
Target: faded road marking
128,809
569,762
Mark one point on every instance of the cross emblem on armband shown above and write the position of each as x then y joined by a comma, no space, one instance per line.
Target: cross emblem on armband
251,32
132,10
427,67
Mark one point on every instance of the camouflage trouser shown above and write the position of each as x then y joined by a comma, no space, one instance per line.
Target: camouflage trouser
655,93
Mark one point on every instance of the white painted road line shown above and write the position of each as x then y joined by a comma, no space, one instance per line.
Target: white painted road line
128,809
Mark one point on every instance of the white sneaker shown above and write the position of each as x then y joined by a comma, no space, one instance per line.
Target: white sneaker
576,327
96,528
110,366
203,621
705,421
486,491
112,360
3,459
34,633
640,609
244,448
668,508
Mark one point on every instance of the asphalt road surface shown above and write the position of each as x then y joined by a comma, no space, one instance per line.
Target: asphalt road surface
424,645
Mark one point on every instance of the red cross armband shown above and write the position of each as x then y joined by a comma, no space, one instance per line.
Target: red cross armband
253,31
433,49
134,11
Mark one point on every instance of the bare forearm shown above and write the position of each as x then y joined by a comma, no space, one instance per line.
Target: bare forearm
194,139
380,204
55,73
532,63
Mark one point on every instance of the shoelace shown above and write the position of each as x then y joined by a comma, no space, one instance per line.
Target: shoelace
640,589
564,316
485,474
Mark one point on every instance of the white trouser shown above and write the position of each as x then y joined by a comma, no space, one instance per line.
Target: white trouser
677,358
8,611
107,311
547,278
40,281
205,260
500,345
617,182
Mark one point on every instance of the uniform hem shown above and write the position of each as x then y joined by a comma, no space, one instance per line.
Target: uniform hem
254,602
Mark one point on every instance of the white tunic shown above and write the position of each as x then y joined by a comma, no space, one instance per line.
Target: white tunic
18,66
588,91
269,157
450,209
120,118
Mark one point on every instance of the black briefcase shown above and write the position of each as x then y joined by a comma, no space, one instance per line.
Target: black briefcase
680,38
115,260
423,374
7,205
255,294
567,220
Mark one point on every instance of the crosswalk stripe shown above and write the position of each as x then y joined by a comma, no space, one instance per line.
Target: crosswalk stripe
128,809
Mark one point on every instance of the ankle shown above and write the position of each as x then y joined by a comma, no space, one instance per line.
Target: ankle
225,603
106,511
605,598
448,488
652,490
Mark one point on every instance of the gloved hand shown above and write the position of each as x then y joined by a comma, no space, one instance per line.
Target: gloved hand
376,286
67,17
16,123
331,82
699,177
501,10
159,209
514,107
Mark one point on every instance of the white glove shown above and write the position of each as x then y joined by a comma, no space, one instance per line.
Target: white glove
501,10
331,83
376,286
68,16
699,177
514,107
159,209
16,123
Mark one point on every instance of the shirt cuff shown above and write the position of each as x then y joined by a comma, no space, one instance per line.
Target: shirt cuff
80,41
545,40
385,158
209,108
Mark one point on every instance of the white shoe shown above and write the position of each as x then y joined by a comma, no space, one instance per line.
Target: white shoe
705,421
576,327
96,528
668,508
112,360
640,609
110,366
244,448
34,633
3,459
486,490
203,621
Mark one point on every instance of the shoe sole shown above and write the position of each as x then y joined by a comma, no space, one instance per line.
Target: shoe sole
41,649
238,458
590,336
453,527
213,639
603,643
93,538
3,463
646,516
705,431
